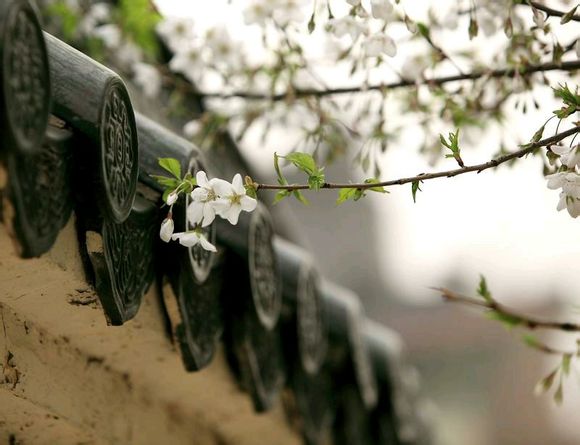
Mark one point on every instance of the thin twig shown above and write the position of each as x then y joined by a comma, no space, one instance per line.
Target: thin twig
552,12
442,174
522,319
436,81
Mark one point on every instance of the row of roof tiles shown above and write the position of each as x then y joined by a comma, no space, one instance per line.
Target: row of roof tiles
71,141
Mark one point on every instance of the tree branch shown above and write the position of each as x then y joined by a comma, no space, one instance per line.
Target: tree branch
519,319
436,81
529,148
552,12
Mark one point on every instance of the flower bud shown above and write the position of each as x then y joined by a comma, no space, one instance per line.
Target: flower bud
166,229
171,198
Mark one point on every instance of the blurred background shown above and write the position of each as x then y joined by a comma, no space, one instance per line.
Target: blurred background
502,224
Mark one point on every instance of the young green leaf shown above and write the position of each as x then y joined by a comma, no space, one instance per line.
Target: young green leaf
532,341
282,194
315,182
166,181
566,360
171,165
509,321
303,161
378,189
569,15
345,194
559,394
414,188
483,290
281,179
300,197
546,383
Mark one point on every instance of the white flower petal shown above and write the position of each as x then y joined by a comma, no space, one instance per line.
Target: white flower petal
248,204
208,215
166,230
238,185
202,180
221,187
555,181
195,212
234,214
562,202
206,244
187,239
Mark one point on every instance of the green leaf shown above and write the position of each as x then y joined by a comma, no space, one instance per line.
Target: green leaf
483,290
538,134
531,341
281,179
345,194
509,321
311,23
171,165
315,182
166,194
568,16
166,181
546,383
300,197
423,29
559,394
282,194
414,188
303,161
378,189
251,191
566,360
473,27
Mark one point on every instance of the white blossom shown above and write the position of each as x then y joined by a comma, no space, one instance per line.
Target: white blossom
201,209
569,182
166,230
171,198
569,156
128,54
346,26
379,44
232,199
191,128
382,9
148,78
176,32
97,14
187,62
281,11
192,238
226,51
110,35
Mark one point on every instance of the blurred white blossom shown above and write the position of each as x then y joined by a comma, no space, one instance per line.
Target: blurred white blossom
148,78
176,32
346,26
380,44
382,9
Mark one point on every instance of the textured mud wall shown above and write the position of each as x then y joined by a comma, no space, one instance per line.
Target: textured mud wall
67,378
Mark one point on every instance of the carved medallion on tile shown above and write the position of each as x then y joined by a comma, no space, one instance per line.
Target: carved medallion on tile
25,77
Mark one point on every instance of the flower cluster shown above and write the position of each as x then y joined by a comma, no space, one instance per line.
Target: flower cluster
568,181
211,198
